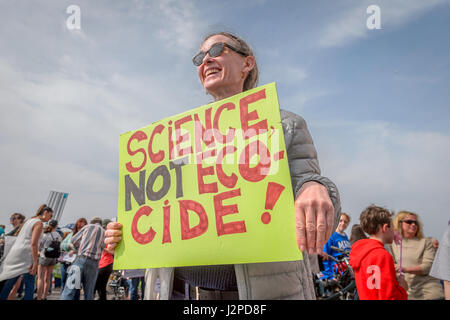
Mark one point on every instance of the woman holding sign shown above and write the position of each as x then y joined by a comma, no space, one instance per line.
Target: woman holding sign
226,66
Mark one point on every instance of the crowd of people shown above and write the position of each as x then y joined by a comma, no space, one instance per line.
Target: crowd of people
413,267
226,66
34,247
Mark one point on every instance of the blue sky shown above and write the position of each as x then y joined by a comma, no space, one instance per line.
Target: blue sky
376,101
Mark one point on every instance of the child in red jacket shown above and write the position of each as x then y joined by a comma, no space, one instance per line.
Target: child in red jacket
374,269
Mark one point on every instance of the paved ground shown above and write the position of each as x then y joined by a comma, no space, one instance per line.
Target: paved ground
55,294
57,291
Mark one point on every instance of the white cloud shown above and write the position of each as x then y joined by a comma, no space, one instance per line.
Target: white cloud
301,98
65,98
60,131
179,22
347,26
350,23
384,164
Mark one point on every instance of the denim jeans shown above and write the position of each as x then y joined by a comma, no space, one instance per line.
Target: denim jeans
64,268
63,275
28,281
134,286
82,273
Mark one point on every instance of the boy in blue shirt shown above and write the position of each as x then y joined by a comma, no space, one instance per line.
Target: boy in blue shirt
338,239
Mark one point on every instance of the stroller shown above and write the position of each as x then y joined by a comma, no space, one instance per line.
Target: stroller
119,286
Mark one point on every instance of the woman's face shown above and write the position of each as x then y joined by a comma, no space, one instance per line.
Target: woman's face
15,220
81,224
223,76
409,226
46,216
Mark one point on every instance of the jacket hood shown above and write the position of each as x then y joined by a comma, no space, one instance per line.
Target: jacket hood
361,248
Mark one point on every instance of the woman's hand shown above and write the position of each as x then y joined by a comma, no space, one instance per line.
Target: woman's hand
33,269
435,243
113,235
314,217
417,270
402,282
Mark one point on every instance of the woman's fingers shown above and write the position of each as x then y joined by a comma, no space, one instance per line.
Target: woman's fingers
112,240
300,226
310,229
113,225
314,214
330,220
113,235
321,230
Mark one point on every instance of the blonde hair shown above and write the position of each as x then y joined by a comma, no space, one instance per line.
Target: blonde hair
401,215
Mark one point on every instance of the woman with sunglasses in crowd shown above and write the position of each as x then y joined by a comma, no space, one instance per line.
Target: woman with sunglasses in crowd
417,258
16,221
8,239
226,66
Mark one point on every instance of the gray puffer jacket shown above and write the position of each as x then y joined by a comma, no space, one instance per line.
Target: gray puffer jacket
273,280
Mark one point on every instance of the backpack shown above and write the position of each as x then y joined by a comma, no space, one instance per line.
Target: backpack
53,250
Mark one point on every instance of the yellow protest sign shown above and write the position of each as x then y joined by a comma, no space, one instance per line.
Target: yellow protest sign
208,186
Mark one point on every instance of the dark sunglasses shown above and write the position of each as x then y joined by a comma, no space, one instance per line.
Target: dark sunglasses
410,221
215,51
